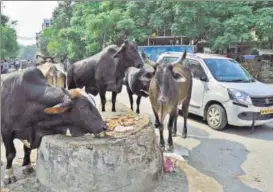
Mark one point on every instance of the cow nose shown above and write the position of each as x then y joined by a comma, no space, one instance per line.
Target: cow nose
162,99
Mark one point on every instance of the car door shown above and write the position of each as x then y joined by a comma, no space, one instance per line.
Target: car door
199,86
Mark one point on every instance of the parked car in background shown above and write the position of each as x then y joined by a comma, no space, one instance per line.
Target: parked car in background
224,92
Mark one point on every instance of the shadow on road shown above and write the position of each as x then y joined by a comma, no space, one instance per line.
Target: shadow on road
221,159
261,132
264,132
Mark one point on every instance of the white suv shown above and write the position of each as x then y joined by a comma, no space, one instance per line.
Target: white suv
224,92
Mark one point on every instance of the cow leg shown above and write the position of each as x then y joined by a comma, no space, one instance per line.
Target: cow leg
185,111
171,122
103,100
114,98
130,94
175,125
65,84
156,119
138,103
27,168
161,137
10,154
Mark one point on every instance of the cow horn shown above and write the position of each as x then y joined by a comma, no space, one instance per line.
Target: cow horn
39,56
143,54
74,93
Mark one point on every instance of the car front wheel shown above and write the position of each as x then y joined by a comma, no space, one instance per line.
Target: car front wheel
216,117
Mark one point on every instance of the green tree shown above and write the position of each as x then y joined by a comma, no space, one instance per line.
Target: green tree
9,45
83,29
264,25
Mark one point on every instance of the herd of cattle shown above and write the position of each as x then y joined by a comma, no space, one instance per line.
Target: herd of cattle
47,100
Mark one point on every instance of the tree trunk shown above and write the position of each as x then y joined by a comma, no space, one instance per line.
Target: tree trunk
104,38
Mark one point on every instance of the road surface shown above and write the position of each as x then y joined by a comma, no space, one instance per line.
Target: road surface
236,159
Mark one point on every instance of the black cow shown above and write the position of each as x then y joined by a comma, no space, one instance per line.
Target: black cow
137,82
31,109
104,71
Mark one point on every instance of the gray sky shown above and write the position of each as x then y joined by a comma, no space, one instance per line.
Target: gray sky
30,15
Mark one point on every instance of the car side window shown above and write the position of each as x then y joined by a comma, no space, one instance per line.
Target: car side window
195,67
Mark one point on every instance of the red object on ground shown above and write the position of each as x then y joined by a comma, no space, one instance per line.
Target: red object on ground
169,165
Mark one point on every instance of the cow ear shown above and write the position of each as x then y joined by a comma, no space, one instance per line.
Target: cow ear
58,109
41,60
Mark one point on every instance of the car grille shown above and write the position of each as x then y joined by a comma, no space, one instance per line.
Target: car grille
262,101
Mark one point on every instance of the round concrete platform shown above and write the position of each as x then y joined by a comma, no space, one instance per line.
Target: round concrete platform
130,161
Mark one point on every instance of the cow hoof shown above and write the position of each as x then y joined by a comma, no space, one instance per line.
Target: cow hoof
137,111
9,180
184,135
113,110
156,125
162,148
27,170
174,134
170,148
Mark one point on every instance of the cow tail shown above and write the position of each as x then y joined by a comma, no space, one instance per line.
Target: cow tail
70,79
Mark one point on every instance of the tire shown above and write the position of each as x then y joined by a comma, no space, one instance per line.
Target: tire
218,123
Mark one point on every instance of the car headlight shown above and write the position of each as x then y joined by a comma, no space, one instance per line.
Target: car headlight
239,97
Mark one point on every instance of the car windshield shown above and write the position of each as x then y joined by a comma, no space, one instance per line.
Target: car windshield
227,70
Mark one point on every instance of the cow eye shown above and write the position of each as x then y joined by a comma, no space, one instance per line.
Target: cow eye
176,75
149,75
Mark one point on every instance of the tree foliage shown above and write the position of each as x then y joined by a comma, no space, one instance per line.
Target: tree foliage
82,29
9,45
27,52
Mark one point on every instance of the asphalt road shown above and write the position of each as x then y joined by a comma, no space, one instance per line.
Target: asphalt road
235,159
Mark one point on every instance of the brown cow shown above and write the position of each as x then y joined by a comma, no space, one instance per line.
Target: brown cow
170,86
53,71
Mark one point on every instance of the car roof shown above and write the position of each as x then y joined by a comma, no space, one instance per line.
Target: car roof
193,55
